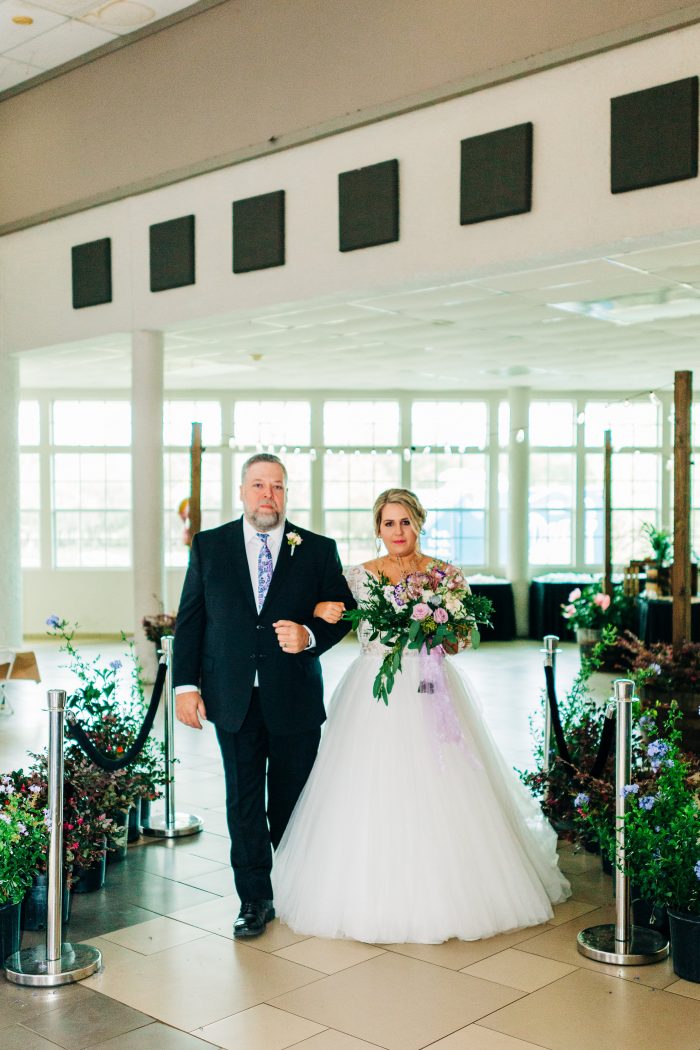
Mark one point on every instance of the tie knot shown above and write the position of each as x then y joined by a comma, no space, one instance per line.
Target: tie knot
263,537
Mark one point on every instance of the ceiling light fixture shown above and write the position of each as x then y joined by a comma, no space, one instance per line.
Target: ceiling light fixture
23,20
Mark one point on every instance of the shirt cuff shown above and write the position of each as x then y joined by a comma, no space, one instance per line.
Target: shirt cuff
312,638
185,689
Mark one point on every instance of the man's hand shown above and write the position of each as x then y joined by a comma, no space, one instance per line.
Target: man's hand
331,612
189,708
293,637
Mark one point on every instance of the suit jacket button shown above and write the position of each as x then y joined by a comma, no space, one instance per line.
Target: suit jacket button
260,627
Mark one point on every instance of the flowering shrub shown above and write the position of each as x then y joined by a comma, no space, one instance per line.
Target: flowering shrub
658,664
24,836
157,625
591,608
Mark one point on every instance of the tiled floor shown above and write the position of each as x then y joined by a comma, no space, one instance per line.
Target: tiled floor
174,979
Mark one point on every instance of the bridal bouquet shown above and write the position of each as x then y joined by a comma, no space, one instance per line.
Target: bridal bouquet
432,610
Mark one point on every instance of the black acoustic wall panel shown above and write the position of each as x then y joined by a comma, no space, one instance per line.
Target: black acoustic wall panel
172,253
496,174
368,206
654,136
258,232
92,273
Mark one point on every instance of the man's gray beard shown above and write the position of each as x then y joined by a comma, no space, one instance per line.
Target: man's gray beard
262,521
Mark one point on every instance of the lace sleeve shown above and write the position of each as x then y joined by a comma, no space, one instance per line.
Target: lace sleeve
355,575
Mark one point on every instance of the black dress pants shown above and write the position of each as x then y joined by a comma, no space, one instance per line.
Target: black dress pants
252,757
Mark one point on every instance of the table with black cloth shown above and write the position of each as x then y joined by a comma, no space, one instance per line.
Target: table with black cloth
500,592
655,620
547,595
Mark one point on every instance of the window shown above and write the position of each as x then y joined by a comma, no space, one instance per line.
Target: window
29,423
257,423
635,499
449,423
351,485
363,423
91,509
635,425
551,508
176,488
29,509
178,417
551,424
102,423
452,488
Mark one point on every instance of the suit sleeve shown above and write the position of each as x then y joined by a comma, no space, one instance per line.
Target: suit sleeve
191,621
334,588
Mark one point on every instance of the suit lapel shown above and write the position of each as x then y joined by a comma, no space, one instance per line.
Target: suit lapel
284,561
239,560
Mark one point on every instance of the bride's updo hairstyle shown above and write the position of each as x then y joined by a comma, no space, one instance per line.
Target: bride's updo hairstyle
415,510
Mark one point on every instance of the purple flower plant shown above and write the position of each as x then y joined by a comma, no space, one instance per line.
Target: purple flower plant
647,802
630,789
53,621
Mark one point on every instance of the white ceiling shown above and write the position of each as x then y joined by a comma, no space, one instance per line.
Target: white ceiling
625,322
39,35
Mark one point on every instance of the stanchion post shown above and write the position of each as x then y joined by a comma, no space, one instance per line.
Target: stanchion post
551,650
54,963
621,943
171,824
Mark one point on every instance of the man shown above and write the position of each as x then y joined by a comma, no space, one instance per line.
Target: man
243,632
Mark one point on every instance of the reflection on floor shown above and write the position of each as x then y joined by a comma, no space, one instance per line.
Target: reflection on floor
174,979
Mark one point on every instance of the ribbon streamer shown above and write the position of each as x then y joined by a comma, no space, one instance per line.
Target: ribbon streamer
446,728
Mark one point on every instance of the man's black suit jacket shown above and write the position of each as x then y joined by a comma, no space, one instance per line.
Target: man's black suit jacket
222,641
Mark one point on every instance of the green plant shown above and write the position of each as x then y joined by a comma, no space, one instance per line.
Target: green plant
660,542
24,835
591,608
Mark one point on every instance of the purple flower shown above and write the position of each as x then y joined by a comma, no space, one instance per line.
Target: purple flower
420,611
440,615
696,869
53,621
657,749
47,818
630,789
656,668
581,799
22,828
5,818
645,721
115,664
34,788
647,802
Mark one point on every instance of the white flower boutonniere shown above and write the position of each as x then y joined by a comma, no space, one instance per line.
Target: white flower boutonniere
294,540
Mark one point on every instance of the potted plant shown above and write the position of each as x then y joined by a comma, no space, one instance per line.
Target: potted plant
590,610
662,551
23,840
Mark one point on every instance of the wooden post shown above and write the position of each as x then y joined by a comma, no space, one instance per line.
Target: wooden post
196,480
680,576
607,513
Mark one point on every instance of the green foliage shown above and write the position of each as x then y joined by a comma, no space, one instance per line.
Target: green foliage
24,839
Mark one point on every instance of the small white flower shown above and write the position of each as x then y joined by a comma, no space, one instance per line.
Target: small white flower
294,540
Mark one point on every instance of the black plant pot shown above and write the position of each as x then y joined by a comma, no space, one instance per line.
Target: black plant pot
87,880
644,913
134,825
685,944
119,836
10,936
35,905
145,812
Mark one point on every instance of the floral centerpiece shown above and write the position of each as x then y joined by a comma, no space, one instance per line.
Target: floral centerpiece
592,609
24,836
157,625
431,611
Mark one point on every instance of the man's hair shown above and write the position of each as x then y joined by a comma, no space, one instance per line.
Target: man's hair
263,457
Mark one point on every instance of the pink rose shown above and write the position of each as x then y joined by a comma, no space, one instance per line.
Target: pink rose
421,611
575,594
603,600
568,611
440,615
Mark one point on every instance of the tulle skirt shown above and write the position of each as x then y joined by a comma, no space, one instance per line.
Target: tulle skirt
403,836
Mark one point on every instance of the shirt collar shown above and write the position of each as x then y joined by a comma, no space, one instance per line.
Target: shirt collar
251,533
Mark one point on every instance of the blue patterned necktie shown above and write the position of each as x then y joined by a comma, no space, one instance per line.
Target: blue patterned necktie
264,567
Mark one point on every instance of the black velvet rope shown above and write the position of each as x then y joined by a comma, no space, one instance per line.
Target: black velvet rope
77,733
606,735
606,738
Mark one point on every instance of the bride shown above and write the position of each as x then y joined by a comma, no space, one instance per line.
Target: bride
401,835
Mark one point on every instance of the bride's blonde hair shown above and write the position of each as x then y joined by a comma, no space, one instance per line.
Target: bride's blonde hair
414,508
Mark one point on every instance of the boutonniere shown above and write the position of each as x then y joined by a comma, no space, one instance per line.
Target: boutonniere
294,540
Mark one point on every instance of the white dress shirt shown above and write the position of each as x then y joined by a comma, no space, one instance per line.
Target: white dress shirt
253,545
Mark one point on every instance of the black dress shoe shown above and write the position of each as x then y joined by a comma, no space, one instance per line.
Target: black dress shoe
252,918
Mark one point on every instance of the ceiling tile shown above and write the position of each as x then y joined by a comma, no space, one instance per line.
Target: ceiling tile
12,73
125,16
12,35
61,44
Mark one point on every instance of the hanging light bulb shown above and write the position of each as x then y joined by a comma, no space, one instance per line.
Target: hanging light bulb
581,418
653,397
407,455
297,450
426,450
520,436
356,452
448,450
283,450
312,455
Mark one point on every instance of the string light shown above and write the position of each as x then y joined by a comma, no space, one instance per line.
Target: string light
520,436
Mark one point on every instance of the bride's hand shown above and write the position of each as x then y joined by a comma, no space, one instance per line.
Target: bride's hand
331,612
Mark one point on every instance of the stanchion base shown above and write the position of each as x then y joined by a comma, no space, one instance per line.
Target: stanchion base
645,946
31,967
184,824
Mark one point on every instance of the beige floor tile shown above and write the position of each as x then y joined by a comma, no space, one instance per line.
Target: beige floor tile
560,943
455,955
395,1002
519,970
155,935
262,1028
218,881
16,1037
215,916
576,862
210,847
570,910
332,1040
586,1010
213,822
476,1037
155,1036
170,863
593,887
688,988
329,956
83,1022
195,984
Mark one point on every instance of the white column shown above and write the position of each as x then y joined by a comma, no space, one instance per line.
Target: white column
147,486
10,565
518,484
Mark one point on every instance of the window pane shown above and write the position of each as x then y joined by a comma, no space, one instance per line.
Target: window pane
459,423
452,488
176,488
178,417
91,423
272,423
552,423
361,423
351,485
91,509
29,423
636,483
633,426
503,424
552,494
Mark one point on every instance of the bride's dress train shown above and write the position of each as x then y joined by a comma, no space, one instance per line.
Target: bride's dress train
399,836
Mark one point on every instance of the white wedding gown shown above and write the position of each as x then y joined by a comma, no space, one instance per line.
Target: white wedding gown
402,837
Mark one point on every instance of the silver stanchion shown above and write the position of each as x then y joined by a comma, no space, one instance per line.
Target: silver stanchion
55,962
170,825
551,651
620,942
